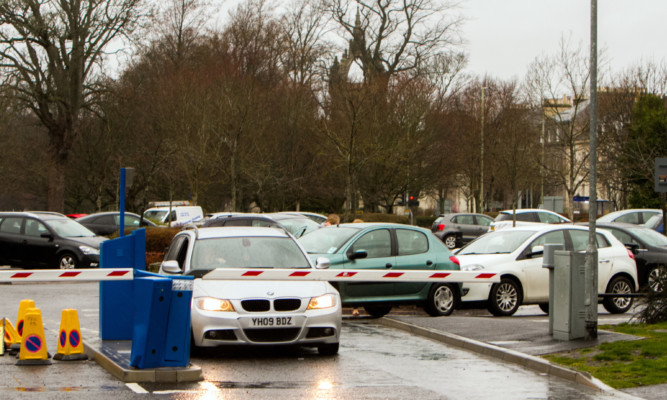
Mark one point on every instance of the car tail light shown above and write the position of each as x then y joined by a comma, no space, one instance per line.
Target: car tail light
630,254
441,227
455,260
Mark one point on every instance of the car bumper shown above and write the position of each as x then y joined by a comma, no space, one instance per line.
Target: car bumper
475,292
312,327
89,261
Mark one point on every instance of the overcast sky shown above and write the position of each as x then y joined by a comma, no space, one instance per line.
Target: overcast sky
504,37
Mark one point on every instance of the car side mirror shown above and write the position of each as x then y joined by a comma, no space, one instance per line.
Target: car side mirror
536,251
322,263
170,267
358,254
633,247
46,236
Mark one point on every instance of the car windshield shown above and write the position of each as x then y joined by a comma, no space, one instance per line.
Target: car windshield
649,236
498,242
156,215
66,227
247,252
327,240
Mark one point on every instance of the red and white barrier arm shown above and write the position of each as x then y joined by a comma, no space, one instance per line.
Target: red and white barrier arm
342,275
67,275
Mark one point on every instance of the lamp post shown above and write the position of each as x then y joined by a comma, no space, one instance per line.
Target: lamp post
591,265
481,159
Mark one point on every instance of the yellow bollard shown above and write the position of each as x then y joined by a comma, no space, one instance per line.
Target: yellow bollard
70,343
12,339
33,345
24,306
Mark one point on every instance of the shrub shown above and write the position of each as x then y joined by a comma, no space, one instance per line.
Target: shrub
656,305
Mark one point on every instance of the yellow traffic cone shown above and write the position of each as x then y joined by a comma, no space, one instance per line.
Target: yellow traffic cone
24,306
33,345
12,339
70,344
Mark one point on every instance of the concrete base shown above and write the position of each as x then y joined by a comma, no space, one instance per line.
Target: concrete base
114,356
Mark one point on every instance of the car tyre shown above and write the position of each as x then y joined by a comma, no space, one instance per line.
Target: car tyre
618,305
450,241
442,299
504,298
377,311
544,307
328,349
656,278
67,261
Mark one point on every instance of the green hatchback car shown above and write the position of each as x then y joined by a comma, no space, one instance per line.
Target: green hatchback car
386,247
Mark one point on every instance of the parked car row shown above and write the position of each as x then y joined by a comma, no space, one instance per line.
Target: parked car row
47,240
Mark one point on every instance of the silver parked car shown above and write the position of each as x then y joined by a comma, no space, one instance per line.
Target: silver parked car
458,229
227,312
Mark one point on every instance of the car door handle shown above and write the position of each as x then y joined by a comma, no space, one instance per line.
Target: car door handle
429,263
388,265
604,261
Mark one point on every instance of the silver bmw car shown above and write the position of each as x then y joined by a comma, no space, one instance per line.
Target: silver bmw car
252,312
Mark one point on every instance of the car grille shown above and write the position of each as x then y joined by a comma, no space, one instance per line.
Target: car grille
272,335
256,305
286,304
261,305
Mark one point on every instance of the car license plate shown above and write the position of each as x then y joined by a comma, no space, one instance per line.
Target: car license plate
259,322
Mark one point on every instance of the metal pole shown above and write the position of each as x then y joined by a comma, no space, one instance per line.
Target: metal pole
591,302
121,206
481,160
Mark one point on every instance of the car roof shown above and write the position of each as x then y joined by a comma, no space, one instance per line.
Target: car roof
526,210
619,213
45,215
235,231
90,216
538,227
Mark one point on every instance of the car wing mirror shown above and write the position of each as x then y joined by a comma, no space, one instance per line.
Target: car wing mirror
322,263
358,254
633,247
46,236
170,267
536,251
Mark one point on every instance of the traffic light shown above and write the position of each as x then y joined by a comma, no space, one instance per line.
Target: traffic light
412,201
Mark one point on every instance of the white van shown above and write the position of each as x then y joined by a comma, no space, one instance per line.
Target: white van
180,215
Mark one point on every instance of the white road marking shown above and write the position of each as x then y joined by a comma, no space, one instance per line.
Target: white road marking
136,388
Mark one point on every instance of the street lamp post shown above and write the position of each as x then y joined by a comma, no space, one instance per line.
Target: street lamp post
591,266
481,159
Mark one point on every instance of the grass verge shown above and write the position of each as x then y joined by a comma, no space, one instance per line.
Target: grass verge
623,364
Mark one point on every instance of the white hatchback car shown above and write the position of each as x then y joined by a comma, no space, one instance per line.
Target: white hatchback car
525,216
516,254
306,313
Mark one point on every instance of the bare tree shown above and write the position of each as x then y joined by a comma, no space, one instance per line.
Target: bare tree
559,85
49,52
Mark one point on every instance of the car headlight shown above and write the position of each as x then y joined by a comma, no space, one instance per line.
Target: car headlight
213,304
89,250
473,267
320,302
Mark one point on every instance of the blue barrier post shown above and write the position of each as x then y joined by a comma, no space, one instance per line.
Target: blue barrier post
152,296
117,298
161,334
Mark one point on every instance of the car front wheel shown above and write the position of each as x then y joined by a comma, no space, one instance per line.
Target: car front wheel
328,349
67,261
441,300
618,305
377,311
504,298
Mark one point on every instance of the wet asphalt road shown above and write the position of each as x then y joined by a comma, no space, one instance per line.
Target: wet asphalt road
374,362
